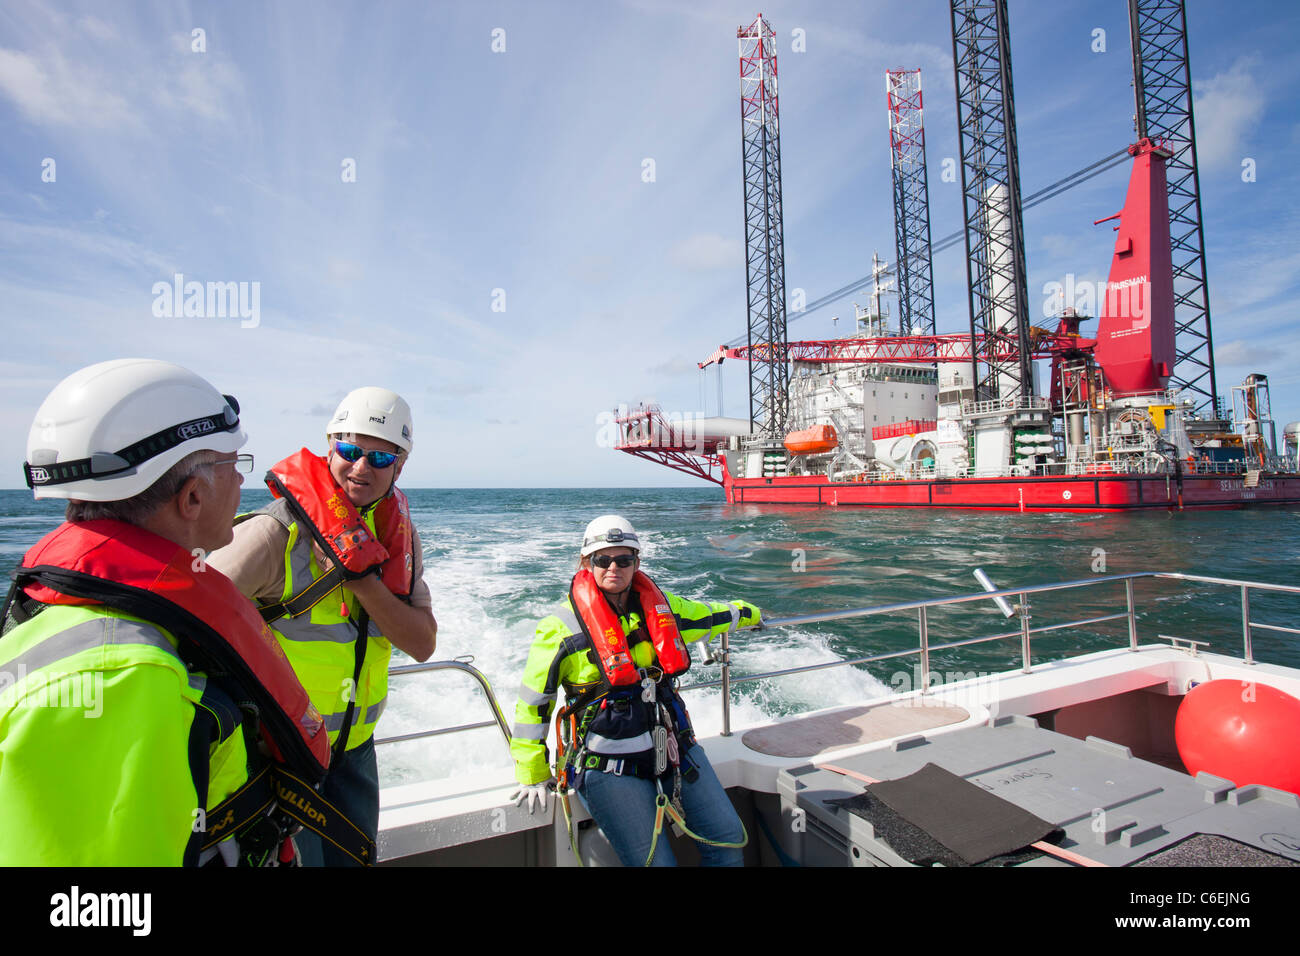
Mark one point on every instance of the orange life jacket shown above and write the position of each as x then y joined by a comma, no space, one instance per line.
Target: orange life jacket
304,480
127,568
601,624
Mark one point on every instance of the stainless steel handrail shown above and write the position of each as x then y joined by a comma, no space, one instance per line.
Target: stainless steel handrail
924,649
478,675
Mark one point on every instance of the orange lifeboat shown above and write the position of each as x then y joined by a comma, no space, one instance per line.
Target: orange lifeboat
811,441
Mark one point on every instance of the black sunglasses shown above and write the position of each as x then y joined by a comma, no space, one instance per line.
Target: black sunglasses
603,561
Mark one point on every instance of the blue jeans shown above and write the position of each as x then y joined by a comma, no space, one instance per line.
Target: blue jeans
353,787
624,808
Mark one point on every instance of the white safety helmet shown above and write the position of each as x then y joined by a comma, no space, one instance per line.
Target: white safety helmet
609,531
109,431
376,412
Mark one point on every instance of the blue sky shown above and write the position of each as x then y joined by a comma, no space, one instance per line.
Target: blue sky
515,179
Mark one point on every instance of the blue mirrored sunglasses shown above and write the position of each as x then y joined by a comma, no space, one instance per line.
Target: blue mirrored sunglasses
378,459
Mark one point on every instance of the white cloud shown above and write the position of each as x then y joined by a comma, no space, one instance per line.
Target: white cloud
97,28
51,91
202,86
1245,352
707,251
69,243
1228,107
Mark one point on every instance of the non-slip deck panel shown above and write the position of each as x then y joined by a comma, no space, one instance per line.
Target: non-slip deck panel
1114,808
1211,850
822,733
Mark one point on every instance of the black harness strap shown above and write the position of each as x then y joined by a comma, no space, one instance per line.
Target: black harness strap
297,799
304,600
360,644
274,785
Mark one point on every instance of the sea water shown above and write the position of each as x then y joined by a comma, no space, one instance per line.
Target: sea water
497,560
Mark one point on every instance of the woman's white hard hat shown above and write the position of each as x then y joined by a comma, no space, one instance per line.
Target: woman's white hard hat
373,411
109,431
609,531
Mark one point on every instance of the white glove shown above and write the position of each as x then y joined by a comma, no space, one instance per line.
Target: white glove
533,793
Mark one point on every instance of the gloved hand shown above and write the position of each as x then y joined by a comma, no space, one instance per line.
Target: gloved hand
533,793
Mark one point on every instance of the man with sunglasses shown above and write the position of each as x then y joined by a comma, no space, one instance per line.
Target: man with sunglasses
616,646
122,663
334,565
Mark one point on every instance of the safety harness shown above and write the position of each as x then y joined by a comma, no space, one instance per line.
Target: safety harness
597,707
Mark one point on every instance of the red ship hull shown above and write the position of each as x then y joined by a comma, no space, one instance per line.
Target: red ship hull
1090,493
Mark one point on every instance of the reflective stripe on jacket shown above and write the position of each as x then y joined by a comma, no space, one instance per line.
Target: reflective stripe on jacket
558,658
98,725
321,643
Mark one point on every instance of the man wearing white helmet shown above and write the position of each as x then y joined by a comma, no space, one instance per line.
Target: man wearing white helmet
115,748
616,646
334,565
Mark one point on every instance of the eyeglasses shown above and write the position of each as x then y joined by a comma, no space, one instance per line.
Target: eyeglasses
242,463
603,561
378,459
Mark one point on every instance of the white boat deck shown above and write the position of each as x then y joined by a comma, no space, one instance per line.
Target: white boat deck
1123,696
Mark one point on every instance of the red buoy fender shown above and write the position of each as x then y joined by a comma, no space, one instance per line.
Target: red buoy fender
304,480
1243,731
137,572
602,626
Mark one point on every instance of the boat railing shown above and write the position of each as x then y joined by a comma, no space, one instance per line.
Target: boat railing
1005,405
498,719
924,648
1216,467
1025,631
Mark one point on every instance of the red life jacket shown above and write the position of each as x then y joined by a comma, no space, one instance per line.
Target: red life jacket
304,480
219,631
601,624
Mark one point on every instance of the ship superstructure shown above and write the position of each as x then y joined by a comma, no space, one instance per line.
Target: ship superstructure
963,420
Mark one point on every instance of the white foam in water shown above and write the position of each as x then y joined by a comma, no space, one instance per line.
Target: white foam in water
488,596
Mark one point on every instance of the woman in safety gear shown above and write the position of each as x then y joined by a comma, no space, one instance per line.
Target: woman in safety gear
624,739
118,744
334,565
